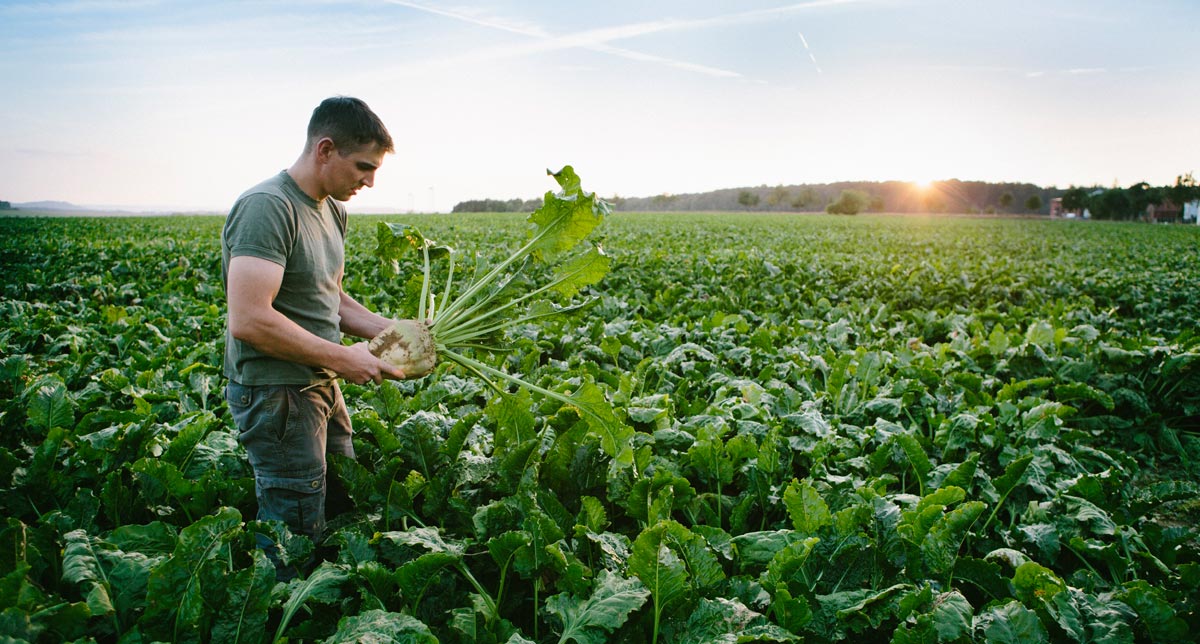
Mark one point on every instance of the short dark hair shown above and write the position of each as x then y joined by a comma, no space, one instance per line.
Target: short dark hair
349,123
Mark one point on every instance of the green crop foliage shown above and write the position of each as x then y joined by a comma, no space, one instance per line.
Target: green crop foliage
764,428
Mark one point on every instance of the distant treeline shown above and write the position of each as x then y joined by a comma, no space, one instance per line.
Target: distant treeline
951,196
851,197
497,205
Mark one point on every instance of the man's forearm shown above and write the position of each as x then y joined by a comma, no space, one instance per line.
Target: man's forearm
275,335
359,321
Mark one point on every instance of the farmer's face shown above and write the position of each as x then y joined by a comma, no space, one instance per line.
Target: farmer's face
349,171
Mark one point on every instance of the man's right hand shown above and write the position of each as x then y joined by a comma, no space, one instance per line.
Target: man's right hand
360,366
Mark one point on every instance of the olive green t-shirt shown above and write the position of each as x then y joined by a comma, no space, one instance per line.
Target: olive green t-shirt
278,222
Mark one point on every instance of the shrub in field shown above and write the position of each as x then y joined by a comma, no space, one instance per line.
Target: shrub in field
850,202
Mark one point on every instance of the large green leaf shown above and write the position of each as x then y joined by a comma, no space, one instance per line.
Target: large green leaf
542,531
414,577
381,627
916,454
710,459
321,585
428,538
930,619
592,514
941,543
51,407
1041,333
590,620
952,615
1083,391
565,218
1155,611
915,524
615,436
661,570
513,420
857,611
1089,514
808,510
1035,583
394,242
580,271
656,498
421,438
503,547
788,564
243,616
704,569
984,575
1011,623
963,476
755,549
1093,617
729,621
177,597
188,433
82,564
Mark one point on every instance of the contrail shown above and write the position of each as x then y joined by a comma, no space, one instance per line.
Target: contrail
593,39
810,54
599,39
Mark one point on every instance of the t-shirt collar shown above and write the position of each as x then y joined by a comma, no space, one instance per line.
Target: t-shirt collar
291,185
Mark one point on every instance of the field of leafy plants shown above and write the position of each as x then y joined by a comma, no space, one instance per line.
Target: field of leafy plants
823,429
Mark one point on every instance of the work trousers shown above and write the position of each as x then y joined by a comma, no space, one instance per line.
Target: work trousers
288,430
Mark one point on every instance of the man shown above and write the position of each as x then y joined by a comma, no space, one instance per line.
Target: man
282,251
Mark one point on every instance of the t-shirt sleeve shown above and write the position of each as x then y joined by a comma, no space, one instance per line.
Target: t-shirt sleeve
260,225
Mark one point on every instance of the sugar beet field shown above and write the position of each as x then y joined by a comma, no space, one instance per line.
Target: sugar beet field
826,429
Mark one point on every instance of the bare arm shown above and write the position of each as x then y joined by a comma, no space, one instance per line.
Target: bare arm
359,321
252,285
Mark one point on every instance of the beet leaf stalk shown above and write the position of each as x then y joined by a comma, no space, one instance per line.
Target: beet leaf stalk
500,297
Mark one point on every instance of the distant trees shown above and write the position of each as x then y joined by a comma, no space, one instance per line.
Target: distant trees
1006,200
1185,190
1111,204
807,197
4,205
1075,199
496,205
950,196
663,201
1142,195
1138,201
1133,202
850,202
779,195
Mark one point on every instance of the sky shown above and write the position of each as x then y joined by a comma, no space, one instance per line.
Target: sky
182,105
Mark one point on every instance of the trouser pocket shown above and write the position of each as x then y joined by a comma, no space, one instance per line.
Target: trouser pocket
298,502
287,432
